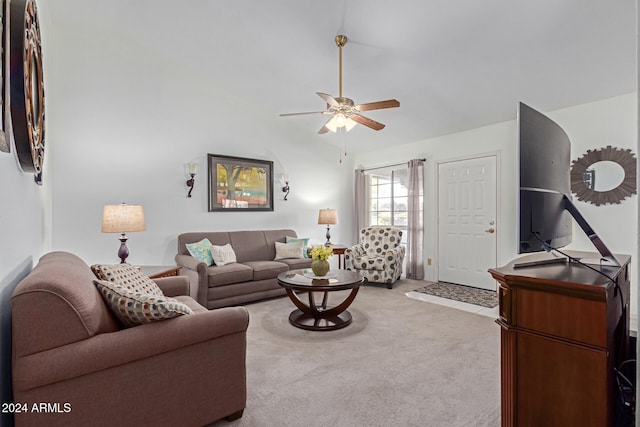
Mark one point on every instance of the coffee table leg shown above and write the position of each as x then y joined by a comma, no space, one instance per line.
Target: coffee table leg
311,318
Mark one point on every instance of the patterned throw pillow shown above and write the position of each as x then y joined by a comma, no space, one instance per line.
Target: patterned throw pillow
289,250
134,308
223,255
305,244
128,276
201,250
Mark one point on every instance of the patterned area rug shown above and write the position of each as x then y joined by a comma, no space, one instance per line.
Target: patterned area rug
481,297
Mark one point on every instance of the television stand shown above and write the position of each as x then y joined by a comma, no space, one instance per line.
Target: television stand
564,328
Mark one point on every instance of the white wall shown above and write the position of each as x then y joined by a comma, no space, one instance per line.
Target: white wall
25,231
589,126
123,121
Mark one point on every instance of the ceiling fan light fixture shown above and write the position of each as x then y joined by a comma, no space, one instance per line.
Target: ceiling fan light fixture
349,124
332,125
340,121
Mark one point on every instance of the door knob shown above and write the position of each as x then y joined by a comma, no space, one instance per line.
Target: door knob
491,230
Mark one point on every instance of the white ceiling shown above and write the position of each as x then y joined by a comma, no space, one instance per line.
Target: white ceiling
453,65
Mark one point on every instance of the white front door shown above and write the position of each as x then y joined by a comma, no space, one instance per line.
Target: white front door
467,226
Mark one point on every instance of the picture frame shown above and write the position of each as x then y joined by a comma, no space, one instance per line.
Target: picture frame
239,184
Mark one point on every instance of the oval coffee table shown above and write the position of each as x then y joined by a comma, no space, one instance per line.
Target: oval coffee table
319,317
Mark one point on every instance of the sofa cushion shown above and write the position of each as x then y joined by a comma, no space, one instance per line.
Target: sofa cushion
223,255
266,269
135,308
251,245
201,250
296,263
305,243
128,276
289,250
229,274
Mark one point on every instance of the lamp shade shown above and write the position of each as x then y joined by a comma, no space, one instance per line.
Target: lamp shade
328,216
122,218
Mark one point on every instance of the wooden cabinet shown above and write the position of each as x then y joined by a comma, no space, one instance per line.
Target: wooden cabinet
564,327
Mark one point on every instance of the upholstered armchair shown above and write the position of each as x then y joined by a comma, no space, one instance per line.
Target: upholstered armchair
378,256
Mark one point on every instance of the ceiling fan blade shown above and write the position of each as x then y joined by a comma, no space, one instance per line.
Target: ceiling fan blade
329,99
301,114
389,103
366,122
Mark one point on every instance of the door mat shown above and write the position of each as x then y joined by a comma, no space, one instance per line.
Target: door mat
475,296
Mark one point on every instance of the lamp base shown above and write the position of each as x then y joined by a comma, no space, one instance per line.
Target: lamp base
328,236
123,252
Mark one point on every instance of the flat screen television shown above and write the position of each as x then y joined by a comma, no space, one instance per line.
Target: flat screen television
545,158
545,208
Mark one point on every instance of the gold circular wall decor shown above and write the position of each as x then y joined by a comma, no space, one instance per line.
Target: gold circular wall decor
582,167
27,86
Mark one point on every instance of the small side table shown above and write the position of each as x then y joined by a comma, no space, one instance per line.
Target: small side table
339,250
158,271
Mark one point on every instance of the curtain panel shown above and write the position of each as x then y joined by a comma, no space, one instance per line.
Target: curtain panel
415,228
360,202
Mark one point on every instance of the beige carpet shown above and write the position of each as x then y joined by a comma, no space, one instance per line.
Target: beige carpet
402,362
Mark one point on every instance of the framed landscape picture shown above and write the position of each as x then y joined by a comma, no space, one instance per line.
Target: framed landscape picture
239,184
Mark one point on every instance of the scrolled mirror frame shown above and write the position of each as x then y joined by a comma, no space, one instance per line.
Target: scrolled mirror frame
623,157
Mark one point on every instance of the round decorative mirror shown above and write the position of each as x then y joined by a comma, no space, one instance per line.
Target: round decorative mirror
27,86
604,176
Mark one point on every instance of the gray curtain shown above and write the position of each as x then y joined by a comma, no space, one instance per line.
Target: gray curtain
415,228
360,202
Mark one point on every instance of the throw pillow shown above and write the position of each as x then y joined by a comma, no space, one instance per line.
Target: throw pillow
134,308
289,250
201,250
128,276
223,255
305,244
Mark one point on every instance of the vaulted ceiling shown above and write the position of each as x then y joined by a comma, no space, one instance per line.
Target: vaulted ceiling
453,65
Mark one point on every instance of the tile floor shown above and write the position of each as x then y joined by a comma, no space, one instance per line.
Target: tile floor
458,305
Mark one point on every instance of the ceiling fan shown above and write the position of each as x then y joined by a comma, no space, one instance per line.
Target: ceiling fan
344,113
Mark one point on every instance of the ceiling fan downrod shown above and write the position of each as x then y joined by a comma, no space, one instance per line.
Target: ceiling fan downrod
340,42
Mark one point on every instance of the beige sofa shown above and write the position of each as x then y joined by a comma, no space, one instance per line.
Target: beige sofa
254,275
70,353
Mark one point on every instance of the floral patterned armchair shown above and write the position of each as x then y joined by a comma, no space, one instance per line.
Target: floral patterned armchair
378,256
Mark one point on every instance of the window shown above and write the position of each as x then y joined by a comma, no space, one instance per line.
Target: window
388,198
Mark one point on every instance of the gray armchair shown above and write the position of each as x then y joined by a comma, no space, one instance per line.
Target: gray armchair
378,256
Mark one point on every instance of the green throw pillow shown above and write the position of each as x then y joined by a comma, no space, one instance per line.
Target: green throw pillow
305,243
201,250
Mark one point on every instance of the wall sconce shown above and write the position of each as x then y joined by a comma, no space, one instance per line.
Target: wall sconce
192,169
285,187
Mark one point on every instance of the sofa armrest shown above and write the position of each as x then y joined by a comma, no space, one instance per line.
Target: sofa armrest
197,272
187,261
110,350
173,286
396,254
351,253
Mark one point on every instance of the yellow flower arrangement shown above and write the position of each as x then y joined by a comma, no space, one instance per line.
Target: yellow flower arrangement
321,252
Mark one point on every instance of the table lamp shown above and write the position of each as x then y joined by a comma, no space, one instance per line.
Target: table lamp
328,217
122,219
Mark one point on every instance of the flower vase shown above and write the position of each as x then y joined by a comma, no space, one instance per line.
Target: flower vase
320,267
